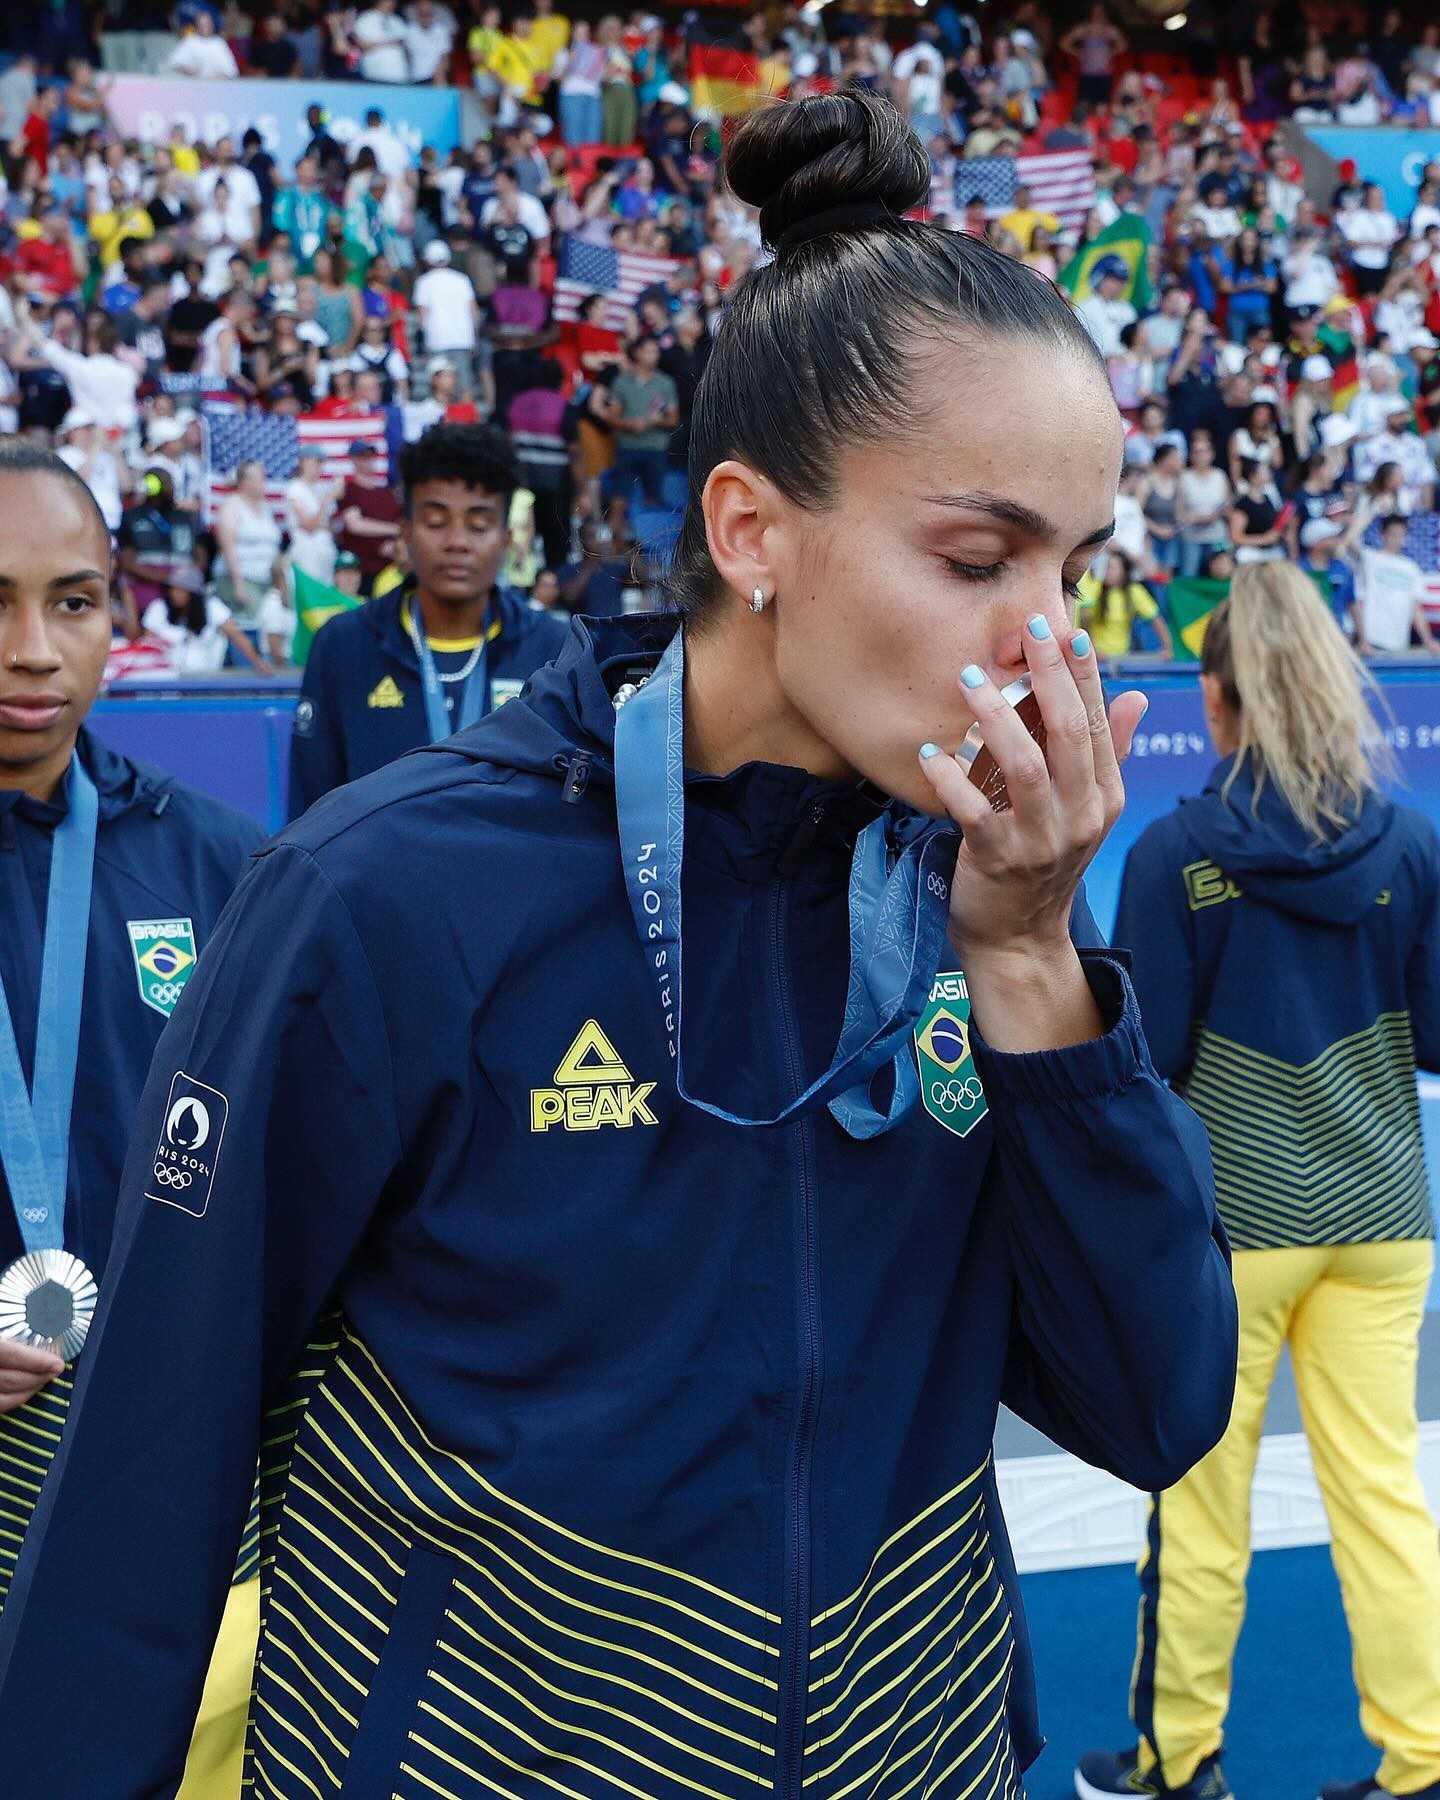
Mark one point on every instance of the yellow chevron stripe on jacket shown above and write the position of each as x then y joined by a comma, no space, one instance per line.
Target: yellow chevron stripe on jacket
544,1657
1326,1153
430,1634
910,1672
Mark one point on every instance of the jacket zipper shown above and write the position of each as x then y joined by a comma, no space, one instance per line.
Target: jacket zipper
795,1628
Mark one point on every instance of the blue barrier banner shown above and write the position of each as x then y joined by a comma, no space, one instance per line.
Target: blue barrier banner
1172,758
146,107
236,746
1392,155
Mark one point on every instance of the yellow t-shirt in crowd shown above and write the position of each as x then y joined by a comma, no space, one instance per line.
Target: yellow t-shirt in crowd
1023,222
517,61
185,158
110,229
550,35
1109,615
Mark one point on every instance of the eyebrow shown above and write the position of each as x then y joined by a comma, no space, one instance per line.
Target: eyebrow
1011,512
60,580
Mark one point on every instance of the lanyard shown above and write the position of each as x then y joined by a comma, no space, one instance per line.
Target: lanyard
35,1123
474,690
898,917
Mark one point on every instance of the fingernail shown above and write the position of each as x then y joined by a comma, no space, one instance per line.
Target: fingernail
1040,627
972,676
1080,643
1144,706
928,750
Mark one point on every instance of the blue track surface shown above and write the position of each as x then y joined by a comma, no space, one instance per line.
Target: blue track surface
1293,1723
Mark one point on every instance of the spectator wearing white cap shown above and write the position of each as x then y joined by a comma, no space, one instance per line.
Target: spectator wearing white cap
1396,444
1311,403
449,313
1103,312
83,448
1320,541
166,448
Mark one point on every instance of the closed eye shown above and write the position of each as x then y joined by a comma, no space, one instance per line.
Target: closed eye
993,572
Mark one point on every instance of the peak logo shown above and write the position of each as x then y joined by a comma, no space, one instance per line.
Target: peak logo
592,1087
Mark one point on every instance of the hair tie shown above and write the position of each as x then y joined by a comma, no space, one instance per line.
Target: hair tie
855,214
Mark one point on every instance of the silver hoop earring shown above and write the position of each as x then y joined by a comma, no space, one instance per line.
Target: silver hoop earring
757,600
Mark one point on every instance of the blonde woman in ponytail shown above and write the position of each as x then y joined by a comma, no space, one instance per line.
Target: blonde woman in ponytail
1287,964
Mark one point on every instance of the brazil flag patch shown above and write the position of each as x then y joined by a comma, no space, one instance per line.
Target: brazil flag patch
163,951
949,1086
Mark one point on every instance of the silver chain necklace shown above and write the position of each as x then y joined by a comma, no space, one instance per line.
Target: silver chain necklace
466,669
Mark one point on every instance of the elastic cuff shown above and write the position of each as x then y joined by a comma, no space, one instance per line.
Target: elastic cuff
1081,1071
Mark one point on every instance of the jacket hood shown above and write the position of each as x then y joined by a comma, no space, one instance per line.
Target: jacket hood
1267,852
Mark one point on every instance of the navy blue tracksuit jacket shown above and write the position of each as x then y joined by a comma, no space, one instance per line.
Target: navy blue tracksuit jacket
166,859
1290,988
608,1449
361,701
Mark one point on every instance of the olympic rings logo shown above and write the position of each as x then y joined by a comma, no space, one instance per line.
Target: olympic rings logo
937,885
956,1096
35,1215
172,1178
166,993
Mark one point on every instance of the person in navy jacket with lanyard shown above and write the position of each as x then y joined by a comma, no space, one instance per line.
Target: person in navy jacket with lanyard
375,686
111,878
624,1304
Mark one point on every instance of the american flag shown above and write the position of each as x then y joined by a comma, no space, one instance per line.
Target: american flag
1060,182
621,275
276,442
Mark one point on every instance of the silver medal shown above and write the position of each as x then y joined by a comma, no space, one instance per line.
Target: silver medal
47,1300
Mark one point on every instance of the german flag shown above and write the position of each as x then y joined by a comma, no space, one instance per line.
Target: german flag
1340,348
725,81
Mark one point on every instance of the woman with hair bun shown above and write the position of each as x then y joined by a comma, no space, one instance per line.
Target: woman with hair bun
1286,955
662,1284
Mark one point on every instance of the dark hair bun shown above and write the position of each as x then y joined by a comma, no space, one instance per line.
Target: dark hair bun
799,158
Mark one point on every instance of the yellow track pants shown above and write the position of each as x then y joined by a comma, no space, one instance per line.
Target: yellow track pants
215,1766
1351,1314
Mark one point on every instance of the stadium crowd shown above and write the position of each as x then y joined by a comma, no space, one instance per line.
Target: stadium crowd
1273,339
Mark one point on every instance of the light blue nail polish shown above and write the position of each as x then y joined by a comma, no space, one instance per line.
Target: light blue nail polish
929,750
1080,643
1040,627
972,676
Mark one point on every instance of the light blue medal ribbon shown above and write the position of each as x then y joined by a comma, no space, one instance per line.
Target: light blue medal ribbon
474,690
898,917
35,1121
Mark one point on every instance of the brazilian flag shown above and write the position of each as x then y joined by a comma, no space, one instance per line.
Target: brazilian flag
1190,604
1129,239
315,602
